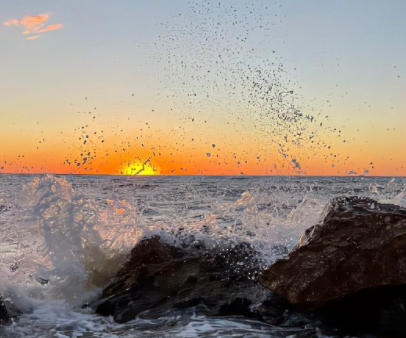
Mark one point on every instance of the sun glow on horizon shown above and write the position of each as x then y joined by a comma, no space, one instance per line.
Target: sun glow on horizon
139,168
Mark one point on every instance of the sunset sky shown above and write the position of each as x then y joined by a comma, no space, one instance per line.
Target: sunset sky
203,87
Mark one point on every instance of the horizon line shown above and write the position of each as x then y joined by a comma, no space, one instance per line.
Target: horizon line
198,175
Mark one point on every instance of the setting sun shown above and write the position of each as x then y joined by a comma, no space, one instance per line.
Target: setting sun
140,168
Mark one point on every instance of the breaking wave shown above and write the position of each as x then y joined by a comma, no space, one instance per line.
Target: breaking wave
63,238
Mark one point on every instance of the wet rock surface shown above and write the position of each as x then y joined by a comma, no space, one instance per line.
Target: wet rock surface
351,268
160,277
4,316
8,311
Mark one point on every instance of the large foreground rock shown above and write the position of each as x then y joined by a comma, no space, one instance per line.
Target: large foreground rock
357,255
160,277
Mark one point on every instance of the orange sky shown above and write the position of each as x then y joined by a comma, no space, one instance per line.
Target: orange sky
221,154
194,88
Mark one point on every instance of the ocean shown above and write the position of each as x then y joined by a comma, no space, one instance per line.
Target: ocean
62,238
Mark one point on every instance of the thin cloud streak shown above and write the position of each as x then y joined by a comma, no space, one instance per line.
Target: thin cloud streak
50,28
32,37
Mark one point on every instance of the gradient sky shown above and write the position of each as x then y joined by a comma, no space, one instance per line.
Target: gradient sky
203,87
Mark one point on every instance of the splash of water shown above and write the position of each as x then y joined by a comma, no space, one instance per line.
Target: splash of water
58,243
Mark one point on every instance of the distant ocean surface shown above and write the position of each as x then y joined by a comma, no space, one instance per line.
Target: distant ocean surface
62,238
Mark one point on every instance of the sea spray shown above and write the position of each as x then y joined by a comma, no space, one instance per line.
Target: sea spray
59,243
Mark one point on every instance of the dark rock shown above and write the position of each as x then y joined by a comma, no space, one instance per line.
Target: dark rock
381,309
351,265
160,277
4,208
14,267
4,316
8,311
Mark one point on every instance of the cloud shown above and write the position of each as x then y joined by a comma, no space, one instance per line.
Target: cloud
33,25
50,28
13,22
33,37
